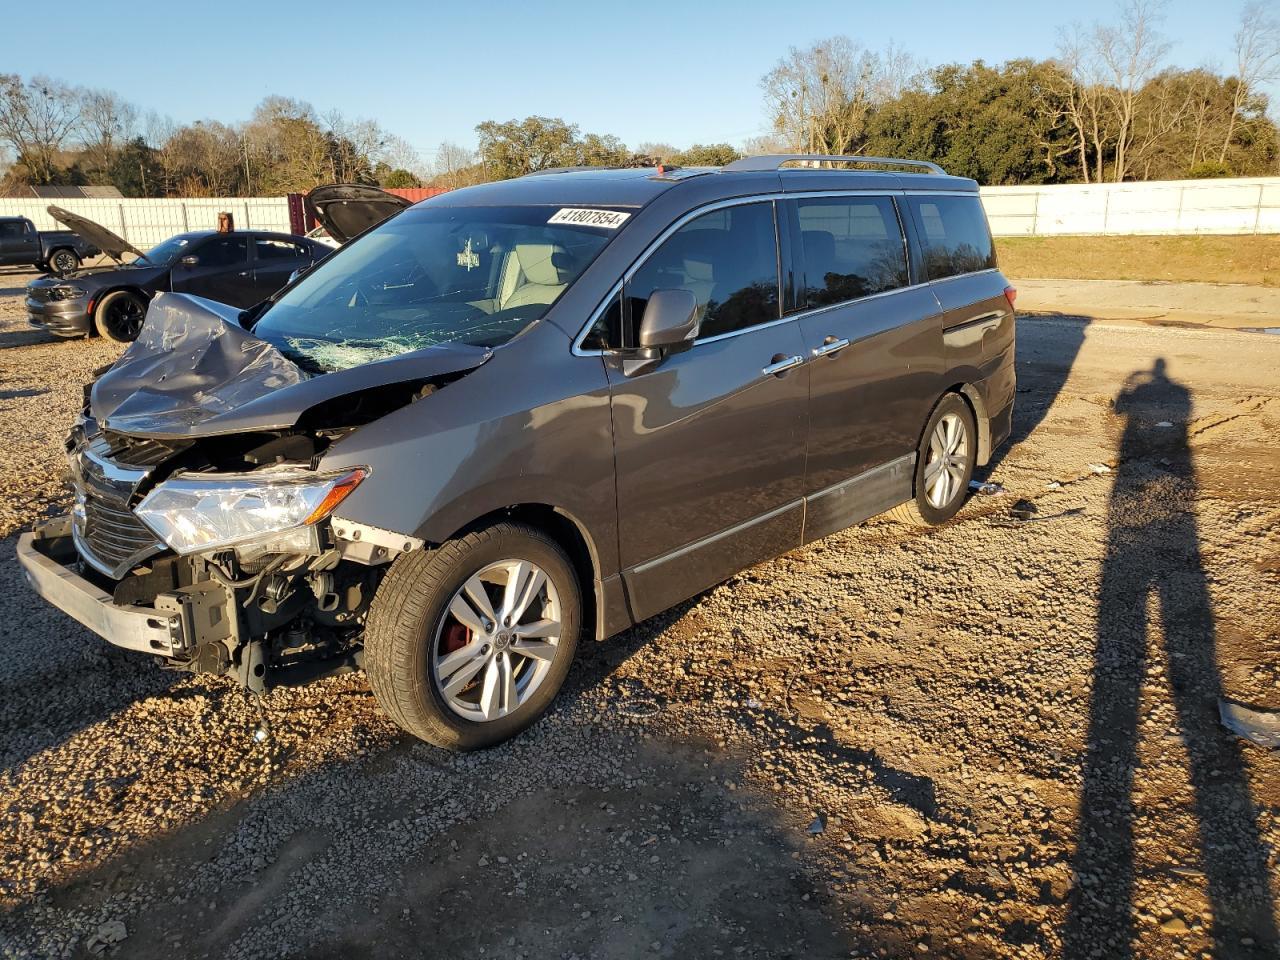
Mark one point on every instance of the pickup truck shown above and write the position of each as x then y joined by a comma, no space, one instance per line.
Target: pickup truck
56,251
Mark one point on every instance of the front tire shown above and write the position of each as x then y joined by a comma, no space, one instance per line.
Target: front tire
119,316
467,645
944,464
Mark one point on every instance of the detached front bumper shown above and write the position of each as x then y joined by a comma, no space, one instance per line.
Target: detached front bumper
48,556
62,318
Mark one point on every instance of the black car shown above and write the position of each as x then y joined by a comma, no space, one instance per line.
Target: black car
58,251
239,268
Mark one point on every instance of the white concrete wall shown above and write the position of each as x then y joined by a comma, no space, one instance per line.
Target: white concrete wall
1240,205
1243,205
144,223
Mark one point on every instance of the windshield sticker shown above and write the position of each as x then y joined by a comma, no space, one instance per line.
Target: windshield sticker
468,258
584,217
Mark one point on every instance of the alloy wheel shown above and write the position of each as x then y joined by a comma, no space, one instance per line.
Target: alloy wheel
124,318
64,262
496,640
948,459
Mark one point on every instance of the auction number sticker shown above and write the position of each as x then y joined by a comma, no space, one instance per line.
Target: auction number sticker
586,217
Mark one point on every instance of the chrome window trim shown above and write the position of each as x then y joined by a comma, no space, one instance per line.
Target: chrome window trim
579,351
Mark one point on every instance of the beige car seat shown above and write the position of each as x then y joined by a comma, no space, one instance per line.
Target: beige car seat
531,275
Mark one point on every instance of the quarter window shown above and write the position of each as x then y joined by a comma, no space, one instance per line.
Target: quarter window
954,234
728,258
851,246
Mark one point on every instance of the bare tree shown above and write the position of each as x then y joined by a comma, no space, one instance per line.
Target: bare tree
1257,50
764,143
820,98
36,119
452,163
657,151
398,154
1083,95
1129,55
107,120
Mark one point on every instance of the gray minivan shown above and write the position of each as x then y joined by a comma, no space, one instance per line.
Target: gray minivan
527,411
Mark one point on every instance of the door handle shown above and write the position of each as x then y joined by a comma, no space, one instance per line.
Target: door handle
779,366
829,346
244,273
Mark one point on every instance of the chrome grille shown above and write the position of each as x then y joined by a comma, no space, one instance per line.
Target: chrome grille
107,534
115,537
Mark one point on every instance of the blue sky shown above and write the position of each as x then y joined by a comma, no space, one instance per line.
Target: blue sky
666,71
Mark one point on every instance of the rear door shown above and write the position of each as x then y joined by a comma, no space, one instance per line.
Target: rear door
222,271
710,444
274,260
876,347
978,322
19,243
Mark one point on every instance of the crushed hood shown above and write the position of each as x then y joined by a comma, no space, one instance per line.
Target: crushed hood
348,209
113,246
195,372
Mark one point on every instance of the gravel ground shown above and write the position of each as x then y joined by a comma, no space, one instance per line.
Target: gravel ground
998,738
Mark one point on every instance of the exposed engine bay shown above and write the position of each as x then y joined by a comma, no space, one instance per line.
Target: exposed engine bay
201,495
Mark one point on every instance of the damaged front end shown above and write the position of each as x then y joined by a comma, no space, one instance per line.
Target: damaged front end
205,528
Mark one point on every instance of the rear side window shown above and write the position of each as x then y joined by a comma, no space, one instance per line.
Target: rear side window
224,252
269,248
954,234
851,246
728,258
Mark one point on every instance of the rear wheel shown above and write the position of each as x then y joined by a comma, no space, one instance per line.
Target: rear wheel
467,645
119,316
944,464
63,261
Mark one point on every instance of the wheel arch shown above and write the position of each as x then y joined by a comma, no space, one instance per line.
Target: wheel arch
567,531
978,406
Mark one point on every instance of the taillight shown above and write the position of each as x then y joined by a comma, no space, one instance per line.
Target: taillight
1011,294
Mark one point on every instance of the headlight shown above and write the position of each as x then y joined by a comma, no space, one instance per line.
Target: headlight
204,512
65,293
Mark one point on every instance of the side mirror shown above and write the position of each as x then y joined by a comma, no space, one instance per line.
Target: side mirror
669,323
190,260
670,320
299,272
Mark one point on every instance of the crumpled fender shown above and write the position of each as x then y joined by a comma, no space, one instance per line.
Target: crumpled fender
195,372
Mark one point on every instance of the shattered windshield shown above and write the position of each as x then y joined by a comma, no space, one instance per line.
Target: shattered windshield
475,275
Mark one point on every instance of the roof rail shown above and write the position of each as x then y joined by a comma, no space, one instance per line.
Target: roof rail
548,171
776,162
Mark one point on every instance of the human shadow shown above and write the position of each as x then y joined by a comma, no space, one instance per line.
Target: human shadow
1153,552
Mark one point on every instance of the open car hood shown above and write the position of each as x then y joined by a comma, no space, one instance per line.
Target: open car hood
195,372
102,238
348,209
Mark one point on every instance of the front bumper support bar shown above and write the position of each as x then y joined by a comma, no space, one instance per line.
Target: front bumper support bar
143,629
